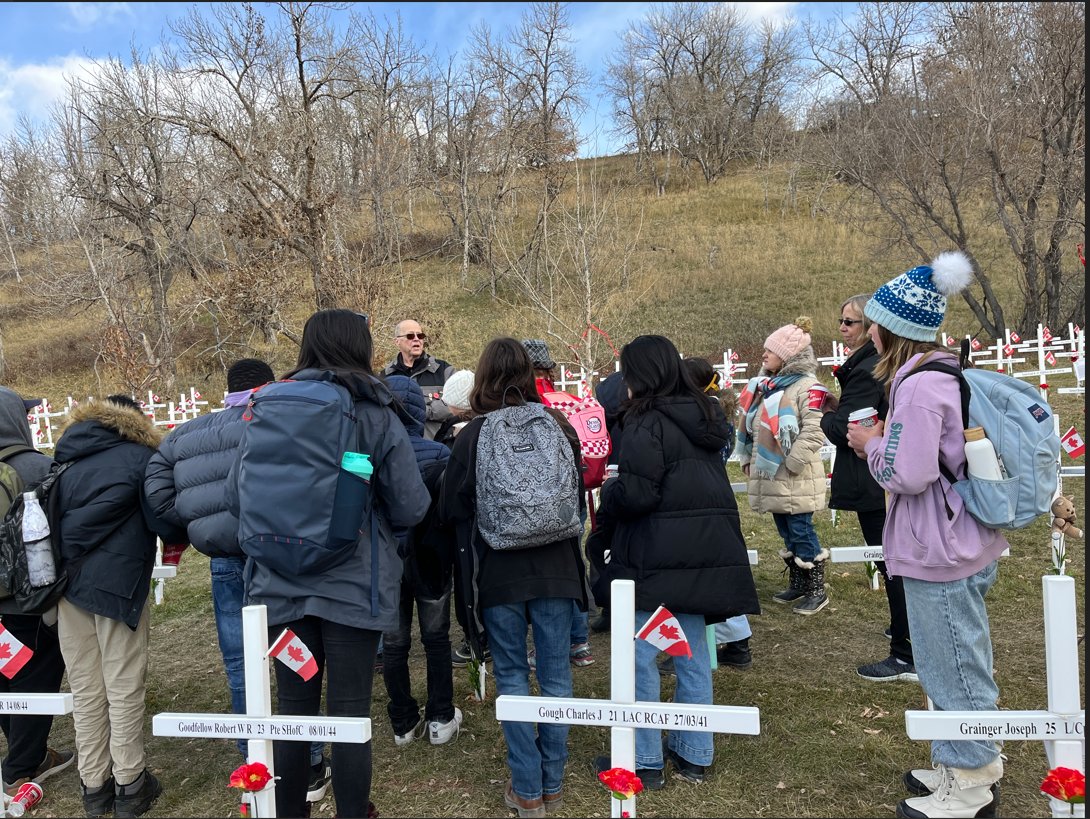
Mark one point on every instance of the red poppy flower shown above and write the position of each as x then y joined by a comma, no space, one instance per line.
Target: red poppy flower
253,776
1065,784
624,783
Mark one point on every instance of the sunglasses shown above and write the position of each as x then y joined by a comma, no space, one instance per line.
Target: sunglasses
850,322
414,336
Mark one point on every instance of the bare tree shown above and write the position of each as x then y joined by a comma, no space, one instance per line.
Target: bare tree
131,172
258,93
933,108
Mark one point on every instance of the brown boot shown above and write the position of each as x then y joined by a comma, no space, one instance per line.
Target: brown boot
553,801
524,807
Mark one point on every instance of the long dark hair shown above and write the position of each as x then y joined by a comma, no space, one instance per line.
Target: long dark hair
337,340
652,369
504,377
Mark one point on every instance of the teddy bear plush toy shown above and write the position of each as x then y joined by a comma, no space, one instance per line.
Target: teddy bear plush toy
1063,517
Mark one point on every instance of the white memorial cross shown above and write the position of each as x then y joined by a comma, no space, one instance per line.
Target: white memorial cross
621,713
258,726
25,705
1061,727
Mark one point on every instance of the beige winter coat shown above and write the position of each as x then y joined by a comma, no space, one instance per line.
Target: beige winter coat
799,484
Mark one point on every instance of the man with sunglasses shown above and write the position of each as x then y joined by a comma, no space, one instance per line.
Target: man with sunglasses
429,373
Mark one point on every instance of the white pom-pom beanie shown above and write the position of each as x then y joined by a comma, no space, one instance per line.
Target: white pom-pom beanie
913,305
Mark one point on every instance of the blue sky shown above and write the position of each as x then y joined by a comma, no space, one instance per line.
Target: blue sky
41,43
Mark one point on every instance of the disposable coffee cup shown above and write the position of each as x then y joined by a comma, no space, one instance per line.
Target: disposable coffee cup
816,396
611,470
865,417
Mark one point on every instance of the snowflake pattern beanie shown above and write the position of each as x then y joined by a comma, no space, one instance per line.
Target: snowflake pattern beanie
913,305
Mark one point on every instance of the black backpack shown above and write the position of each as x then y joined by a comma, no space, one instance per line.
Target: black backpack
14,574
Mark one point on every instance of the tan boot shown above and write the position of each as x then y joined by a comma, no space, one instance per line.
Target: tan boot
959,793
523,807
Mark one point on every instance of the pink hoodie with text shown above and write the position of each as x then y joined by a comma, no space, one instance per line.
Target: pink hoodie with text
924,424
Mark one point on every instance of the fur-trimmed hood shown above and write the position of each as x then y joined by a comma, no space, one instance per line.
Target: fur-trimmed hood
802,363
98,424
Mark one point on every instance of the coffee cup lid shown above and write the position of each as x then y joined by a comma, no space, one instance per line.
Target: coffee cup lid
859,414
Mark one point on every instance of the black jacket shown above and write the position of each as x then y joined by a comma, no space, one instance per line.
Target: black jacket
853,487
678,534
489,577
107,528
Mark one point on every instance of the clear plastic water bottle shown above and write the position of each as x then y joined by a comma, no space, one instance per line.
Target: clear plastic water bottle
41,569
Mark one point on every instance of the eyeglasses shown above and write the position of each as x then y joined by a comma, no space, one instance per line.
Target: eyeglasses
414,336
850,322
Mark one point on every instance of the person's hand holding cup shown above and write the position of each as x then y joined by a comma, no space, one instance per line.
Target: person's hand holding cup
611,471
863,424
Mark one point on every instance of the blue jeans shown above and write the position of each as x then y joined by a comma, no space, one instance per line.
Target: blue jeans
798,534
732,630
228,592
536,752
580,632
434,617
952,647
694,685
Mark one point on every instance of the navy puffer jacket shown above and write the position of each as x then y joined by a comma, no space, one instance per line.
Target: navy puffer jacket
186,480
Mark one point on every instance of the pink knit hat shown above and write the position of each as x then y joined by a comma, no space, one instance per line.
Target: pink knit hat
791,339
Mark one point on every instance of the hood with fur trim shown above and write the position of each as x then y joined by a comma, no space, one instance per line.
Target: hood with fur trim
99,424
802,363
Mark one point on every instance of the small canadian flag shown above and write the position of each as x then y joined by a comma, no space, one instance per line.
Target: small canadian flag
1046,334
1015,337
664,632
1008,350
951,341
293,653
13,654
1050,358
1072,442
975,344
733,356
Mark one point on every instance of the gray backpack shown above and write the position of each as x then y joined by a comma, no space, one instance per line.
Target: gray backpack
527,485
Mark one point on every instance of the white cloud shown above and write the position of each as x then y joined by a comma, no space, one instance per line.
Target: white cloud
31,89
83,16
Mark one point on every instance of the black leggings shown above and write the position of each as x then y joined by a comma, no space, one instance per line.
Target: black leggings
900,644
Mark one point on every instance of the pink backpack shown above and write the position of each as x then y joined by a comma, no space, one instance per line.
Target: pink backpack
588,418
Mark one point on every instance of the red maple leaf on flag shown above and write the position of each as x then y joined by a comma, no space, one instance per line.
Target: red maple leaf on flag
296,654
669,632
5,651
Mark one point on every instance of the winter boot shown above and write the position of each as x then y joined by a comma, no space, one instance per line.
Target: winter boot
813,573
959,792
795,589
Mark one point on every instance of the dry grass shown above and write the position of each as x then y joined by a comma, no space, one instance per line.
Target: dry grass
832,744
727,272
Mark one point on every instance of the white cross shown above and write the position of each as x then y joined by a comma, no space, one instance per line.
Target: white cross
258,726
1061,727
36,704
621,713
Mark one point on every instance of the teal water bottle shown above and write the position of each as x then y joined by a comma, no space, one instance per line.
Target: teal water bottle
359,464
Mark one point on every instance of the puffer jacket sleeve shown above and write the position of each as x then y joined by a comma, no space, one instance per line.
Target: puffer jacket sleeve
159,487
398,485
637,489
810,438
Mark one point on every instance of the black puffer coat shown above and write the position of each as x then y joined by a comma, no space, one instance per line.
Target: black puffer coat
677,528
853,488
106,526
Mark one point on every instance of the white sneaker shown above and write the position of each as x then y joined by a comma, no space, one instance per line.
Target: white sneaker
440,733
417,731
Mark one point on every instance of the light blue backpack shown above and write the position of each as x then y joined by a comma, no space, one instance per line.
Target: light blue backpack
1020,425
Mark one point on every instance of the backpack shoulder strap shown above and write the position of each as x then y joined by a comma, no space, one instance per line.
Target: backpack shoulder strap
15,449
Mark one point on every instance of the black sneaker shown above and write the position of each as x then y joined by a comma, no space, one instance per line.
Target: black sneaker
685,769
136,798
652,779
100,801
459,655
320,775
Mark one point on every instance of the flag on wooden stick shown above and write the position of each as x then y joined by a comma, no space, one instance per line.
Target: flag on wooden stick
293,653
664,632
